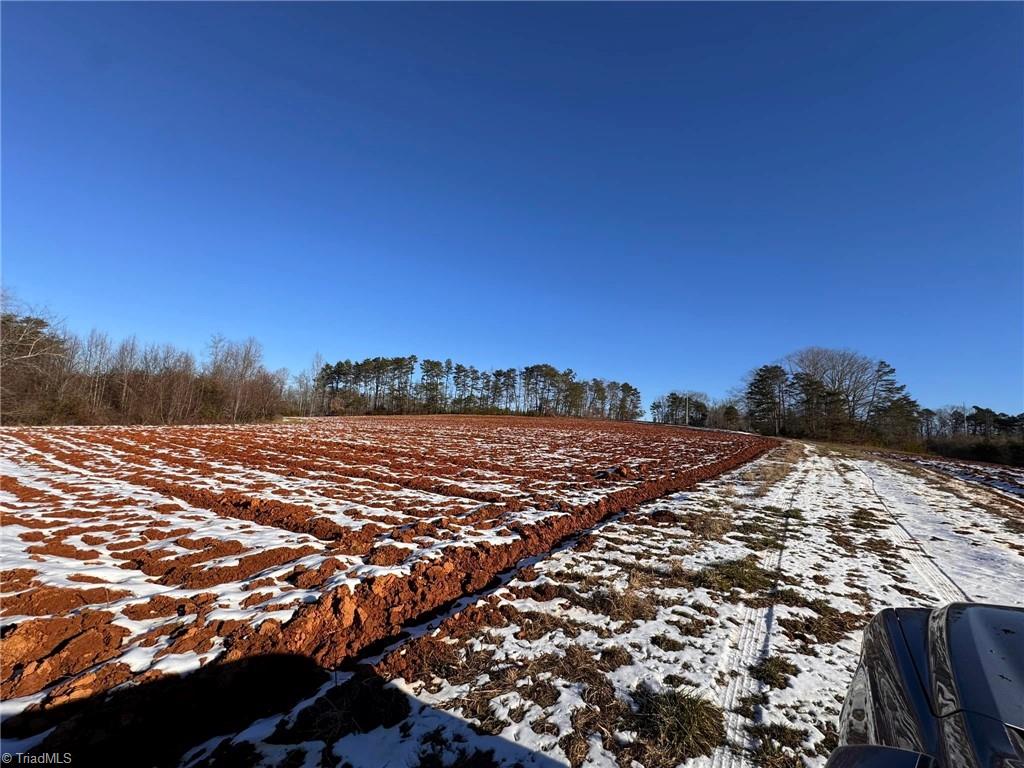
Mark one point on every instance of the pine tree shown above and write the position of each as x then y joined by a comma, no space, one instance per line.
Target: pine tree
767,398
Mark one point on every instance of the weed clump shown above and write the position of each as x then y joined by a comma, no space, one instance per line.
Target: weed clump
744,573
777,745
619,605
613,657
828,627
359,705
667,643
748,704
774,671
675,726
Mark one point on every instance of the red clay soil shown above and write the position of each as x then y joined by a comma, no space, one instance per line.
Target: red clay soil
40,651
48,601
344,621
36,653
291,517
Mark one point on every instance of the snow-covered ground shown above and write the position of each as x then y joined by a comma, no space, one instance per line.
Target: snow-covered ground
748,592
998,476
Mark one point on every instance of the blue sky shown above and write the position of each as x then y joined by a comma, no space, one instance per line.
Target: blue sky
665,193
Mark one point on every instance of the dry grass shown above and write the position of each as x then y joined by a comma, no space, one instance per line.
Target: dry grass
533,625
674,726
744,573
542,692
758,534
774,671
359,705
640,579
672,575
692,627
427,659
619,605
667,643
774,468
587,579
437,758
613,657
866,520
476,705
828,627
748,704
778,746
706,524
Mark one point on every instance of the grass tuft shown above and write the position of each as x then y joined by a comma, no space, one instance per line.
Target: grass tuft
619,605
778,746
745,574
675,726
774,671
667,643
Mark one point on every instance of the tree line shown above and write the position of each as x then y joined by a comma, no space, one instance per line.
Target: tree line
844,396
403,385
695,409
51,376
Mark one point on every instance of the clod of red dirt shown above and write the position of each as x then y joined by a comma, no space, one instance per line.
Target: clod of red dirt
85,578
409,533
159,606
48,601
199,637
60,549
622,472
310,578
17,579
529,573
175,571
10,518
39,651
266,581
483,614
158,534
387,554
291,517
246,567
420,660
80,687
658,516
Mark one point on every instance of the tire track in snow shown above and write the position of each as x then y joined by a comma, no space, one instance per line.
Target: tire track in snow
749,643
917,557
745,648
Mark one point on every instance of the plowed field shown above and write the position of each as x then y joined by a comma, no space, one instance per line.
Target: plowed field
133,553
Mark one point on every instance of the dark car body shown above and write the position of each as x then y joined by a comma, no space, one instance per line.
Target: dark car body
946,682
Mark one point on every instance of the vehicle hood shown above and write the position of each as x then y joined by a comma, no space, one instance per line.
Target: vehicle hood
976,658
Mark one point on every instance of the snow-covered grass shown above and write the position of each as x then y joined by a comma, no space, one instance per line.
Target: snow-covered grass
718,627
1000,477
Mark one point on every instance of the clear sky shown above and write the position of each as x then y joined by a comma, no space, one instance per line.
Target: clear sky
667,194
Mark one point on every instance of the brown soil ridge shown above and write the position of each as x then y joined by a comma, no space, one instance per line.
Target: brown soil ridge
345,621
280,514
